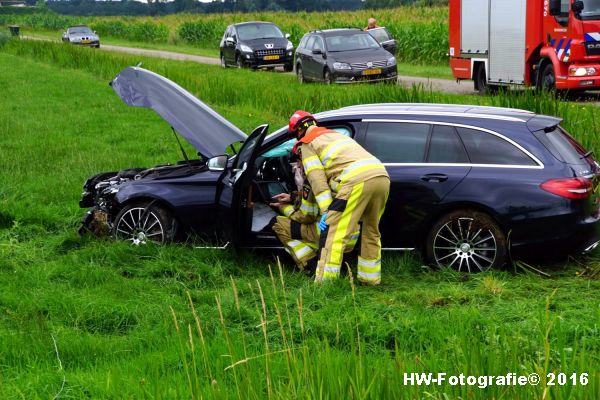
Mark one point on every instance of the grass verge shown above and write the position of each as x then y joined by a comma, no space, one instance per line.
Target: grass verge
91,318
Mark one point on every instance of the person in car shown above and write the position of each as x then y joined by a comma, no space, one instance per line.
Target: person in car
297,227
350,186
371,24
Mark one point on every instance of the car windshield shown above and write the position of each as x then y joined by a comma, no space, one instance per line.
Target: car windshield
357,41
591,9
379,34
80,29
258,31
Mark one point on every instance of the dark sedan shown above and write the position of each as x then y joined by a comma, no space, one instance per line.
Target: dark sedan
343,56
81,35
469,185
256,45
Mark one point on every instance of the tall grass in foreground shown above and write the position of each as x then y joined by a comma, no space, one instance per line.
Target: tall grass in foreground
269,352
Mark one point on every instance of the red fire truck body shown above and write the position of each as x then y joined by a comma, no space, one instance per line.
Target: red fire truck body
552,44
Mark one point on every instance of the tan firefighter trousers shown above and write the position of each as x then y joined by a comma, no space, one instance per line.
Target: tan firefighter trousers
363,202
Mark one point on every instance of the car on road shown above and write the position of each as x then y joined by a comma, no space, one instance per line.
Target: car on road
384,38
343,56
256,45
81,35
469,185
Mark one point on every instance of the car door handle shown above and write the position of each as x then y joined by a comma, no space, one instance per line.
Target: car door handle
436,178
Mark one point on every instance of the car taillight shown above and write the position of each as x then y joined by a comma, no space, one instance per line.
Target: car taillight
572,188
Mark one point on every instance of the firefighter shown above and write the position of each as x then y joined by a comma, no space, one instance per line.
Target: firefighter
350,186
297,227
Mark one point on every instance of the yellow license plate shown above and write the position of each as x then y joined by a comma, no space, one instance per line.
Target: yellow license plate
86,41
371,71
267,58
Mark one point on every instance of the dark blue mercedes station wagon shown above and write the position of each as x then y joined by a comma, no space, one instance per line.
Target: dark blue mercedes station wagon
470,186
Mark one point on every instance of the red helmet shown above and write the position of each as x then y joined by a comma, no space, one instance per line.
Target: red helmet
299,118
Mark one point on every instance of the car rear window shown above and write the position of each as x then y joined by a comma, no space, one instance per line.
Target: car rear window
486,148
564,147
394,142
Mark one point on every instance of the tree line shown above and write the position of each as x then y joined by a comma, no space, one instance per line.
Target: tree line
162,7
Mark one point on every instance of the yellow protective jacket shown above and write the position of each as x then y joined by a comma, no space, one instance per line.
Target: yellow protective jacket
332,160
305,209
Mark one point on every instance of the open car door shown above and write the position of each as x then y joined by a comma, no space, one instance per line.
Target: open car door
233,190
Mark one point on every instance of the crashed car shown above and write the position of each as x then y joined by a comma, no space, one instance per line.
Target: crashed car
469,185
81,35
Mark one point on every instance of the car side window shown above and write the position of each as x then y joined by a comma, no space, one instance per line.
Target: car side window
445,146
310,43
319,44
485,148
397,142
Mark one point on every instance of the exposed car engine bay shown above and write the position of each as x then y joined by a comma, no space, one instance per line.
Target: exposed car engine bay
99,191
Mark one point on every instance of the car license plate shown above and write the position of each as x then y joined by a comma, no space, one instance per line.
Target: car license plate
86,41
267,58
371,71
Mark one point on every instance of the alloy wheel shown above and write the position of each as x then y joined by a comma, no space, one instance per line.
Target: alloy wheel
139,225
465,245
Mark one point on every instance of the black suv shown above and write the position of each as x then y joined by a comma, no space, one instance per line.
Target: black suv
256,45
343,56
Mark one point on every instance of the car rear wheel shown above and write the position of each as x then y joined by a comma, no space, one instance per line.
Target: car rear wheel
467,241
140,223
300,74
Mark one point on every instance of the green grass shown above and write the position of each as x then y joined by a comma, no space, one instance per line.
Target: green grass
88,318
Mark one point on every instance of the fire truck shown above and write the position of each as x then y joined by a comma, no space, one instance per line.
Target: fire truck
548,44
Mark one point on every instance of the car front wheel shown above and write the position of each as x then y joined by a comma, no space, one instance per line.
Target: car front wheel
327,76
140,223
239,62
467,241
223,63
300,74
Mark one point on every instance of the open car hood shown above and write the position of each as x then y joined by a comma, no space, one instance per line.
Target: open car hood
199,124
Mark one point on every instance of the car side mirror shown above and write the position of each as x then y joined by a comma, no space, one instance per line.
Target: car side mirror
95,32
217,163
554,7
287,36
577,7
230,40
